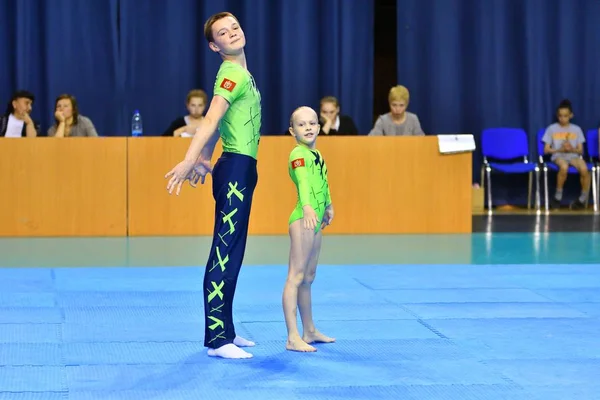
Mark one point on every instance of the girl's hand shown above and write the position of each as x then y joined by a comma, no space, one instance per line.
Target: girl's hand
328,217
310,218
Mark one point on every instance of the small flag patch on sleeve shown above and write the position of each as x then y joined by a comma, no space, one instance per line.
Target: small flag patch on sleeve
228,85
299,162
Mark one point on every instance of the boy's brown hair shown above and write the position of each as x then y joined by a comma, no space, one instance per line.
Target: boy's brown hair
208,34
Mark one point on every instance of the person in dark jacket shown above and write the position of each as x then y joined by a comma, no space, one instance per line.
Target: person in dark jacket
16,121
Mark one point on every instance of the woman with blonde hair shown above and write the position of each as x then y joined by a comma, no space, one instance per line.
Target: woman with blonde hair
398,122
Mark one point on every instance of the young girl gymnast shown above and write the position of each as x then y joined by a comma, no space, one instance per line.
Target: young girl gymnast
313,212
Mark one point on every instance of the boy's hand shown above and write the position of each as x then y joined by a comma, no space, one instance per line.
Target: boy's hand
567,147
179,174
201,169
310,218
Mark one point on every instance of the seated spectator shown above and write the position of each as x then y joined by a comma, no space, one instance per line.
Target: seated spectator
398,122
196,104
332,123
564,141
68,121
16,121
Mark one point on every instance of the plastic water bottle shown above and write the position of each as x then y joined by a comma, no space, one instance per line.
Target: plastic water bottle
136,124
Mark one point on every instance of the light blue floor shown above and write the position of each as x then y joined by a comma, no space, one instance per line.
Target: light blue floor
476,330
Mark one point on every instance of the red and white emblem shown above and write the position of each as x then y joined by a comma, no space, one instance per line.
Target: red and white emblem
299,162
228,85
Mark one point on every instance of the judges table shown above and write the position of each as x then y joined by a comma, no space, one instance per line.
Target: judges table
116,187
58,187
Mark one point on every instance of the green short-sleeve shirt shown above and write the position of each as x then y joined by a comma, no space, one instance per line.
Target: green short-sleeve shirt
240,126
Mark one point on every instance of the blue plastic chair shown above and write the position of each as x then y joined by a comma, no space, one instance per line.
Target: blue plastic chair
501,148
593,148
547,164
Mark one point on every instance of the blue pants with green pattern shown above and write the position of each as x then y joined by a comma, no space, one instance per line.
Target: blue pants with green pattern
234,179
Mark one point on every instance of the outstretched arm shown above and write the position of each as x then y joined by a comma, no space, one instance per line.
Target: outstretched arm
208,149
202,165
203,138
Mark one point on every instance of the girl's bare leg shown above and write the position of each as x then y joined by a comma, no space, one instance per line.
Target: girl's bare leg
300,251
310,334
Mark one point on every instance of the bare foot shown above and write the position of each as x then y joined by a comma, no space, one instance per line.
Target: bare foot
297,344
316,337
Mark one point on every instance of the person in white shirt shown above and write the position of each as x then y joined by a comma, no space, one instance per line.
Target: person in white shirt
16,121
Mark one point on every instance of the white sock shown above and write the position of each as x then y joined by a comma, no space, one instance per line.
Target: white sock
229,351
241,342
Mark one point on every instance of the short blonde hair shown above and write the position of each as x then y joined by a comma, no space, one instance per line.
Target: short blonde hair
197,93
398,93
296,110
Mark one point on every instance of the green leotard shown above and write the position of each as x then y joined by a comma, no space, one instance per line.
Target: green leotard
309,173
240,126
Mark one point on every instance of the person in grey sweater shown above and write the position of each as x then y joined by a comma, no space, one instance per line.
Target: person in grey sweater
398,122
68,121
